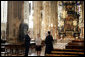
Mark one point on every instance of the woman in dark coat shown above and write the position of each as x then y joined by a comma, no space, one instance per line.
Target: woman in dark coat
27,43
49,43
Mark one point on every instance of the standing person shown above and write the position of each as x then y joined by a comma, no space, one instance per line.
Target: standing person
38,44
27,43
49,43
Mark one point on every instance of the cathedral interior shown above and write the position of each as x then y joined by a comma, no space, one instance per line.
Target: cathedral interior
64,19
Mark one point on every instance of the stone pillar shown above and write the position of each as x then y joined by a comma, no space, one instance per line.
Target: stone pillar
37,18
49,21
54,18
26,12
14,18
45,19
82,27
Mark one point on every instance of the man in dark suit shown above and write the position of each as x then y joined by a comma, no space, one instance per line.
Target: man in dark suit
49,43
27,43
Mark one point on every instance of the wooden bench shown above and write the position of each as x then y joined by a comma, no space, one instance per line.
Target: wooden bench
13,49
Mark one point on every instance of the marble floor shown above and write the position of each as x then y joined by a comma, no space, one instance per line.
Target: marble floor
34,53
59,44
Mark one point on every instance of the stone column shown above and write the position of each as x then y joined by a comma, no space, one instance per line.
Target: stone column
54,18
49,18
45,19
26,12
14,18
49,21
37,18
82,27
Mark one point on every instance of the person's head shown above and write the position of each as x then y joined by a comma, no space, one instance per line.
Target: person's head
48,32
38,35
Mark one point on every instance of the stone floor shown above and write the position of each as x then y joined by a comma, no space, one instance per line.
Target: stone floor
60,44
34,53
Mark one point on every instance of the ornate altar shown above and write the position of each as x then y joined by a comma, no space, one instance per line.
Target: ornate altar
69,28
71,20
69,23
